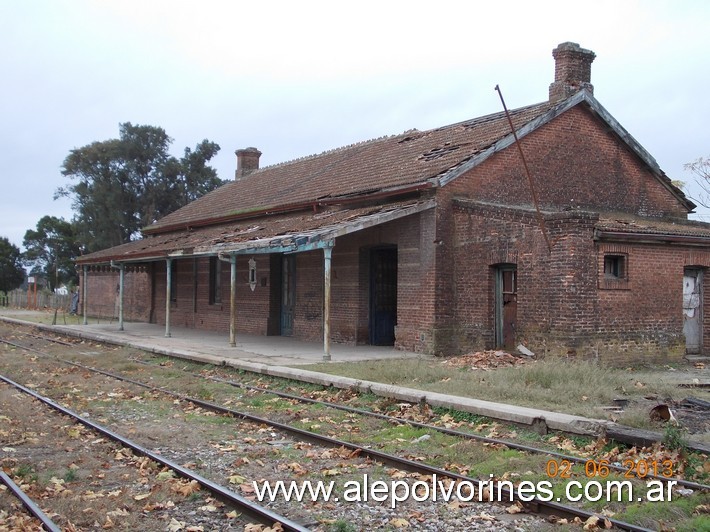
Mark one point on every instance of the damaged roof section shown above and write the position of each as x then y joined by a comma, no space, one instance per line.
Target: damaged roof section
389,164
270,234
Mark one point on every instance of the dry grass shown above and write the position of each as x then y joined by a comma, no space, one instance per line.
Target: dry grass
46,316
574,387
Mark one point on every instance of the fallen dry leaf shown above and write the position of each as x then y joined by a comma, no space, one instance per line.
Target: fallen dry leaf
237,479
514,509
185,488
175,525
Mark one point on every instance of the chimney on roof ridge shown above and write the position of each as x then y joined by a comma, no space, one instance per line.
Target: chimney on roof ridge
247,162
573,70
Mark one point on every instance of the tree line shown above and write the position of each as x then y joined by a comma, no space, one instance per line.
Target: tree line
117,187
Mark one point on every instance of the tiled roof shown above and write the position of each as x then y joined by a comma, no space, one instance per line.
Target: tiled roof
255,233
627,224
411,158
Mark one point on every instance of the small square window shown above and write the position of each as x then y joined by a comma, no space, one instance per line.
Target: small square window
614,267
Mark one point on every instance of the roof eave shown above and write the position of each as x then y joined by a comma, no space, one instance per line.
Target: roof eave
637,148
293,207
602,235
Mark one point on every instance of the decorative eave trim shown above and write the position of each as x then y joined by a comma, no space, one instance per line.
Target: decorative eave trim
314,239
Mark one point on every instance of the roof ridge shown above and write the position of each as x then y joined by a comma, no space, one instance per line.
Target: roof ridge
491,116
334,150
469,122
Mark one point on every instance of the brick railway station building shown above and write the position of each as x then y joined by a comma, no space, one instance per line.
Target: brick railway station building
437,241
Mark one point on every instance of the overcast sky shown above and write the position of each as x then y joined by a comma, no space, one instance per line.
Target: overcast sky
295,78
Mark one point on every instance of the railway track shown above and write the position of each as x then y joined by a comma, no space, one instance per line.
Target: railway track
32,508
414,466
255,511
388,418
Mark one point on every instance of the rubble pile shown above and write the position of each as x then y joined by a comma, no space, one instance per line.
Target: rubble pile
485,360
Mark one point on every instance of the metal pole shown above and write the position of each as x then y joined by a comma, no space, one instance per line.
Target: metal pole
533,193
120,296
85,295
327,254
233,301
168,294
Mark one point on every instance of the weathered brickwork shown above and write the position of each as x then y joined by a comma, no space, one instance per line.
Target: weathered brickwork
103,287
191,306
575,163
564,304
448,258
563,308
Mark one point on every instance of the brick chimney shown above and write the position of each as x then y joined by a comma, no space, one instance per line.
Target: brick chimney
247,162
573,71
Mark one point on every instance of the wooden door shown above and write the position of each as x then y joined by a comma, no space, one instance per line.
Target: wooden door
692,310
506,303
288,294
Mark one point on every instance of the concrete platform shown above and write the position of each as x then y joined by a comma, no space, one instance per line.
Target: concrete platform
271,350
270,355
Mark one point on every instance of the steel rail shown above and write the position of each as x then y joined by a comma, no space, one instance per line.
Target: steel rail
377,415
29,504
498,494
536,506
417,424
442,430
263,515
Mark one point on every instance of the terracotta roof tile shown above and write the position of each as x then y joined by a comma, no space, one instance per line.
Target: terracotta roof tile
410,158
624,223
230,235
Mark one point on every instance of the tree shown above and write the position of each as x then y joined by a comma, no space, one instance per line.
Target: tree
12,274
128,183
51,250
700,169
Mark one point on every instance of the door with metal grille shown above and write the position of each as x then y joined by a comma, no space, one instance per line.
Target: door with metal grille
383,296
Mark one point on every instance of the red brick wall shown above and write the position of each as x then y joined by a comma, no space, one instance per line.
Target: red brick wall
414,238
575,162
193,309
350,288
566,306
